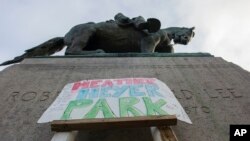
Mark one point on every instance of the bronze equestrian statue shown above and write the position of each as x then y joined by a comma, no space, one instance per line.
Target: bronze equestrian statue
121,35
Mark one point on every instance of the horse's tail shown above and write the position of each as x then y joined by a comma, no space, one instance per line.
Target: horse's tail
45,49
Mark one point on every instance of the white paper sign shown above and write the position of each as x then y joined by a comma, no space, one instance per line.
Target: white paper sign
108,98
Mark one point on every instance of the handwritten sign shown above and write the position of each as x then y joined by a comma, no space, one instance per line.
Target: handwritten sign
109,98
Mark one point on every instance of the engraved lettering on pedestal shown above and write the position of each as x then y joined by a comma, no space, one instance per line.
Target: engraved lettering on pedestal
176,95
187,94
234,93
196,109
44,96
31,96
187,110
28,96
13,96
222,93
205,109
210,94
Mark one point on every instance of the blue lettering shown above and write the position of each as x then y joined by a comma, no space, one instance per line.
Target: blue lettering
105,92
119,90
152,90
134,90
88,93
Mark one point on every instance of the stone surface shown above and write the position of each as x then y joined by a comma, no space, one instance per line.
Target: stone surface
214,93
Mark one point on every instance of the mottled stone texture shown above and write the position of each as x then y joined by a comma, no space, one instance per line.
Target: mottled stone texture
214,93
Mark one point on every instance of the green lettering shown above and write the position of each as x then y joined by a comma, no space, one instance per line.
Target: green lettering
154,108
127,105
75,104
101,105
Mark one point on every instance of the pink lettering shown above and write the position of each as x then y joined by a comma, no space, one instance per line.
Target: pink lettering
95,83
78,85
107,83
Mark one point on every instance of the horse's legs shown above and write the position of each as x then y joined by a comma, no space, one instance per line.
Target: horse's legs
165,48
149,43
80,42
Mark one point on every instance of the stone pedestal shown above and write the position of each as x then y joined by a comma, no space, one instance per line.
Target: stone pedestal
214,92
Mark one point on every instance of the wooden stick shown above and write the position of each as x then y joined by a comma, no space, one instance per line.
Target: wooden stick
167,134
65,136
107,123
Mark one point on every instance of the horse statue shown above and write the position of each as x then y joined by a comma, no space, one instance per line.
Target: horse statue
110,37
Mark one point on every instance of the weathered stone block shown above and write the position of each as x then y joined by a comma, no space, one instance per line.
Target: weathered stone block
214,93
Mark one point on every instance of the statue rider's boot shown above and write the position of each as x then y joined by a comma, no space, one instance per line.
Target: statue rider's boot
152,25
122,20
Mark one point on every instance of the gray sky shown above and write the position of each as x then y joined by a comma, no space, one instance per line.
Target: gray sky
222,26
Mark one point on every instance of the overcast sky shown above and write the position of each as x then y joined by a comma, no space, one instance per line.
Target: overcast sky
222,26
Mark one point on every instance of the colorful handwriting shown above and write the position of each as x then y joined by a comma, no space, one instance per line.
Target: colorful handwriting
127,107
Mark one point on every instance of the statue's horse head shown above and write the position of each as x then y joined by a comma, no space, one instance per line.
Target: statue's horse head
182,35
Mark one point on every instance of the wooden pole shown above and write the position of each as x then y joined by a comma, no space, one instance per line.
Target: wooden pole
167,134
65,136
109,123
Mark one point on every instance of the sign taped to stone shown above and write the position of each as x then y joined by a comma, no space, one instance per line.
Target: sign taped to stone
109,98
